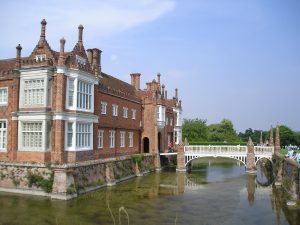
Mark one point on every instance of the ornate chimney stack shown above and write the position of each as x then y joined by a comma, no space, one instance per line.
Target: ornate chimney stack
18,56
80,31
135,80
277,140
158,78
166,94
271,142
90,56
43,32
96,61
62,52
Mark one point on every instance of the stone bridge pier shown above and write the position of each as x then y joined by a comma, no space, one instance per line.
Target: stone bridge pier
250,159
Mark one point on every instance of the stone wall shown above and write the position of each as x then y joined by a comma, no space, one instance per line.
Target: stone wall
68,180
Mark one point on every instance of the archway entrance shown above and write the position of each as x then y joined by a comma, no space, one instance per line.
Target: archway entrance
146,145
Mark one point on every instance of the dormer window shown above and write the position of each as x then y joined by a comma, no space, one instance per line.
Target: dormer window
40,58
80,60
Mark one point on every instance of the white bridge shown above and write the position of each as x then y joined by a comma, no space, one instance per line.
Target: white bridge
237,152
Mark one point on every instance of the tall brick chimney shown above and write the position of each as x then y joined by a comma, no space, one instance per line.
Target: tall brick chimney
61,52
90,56
135,80
18,56
96,60
163,91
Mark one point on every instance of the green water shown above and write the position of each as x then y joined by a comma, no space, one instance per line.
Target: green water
219,193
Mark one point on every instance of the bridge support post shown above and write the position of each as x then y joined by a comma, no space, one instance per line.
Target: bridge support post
180,158
250,160
157,162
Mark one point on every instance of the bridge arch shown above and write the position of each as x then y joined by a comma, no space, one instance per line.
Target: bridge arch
258,158
241,159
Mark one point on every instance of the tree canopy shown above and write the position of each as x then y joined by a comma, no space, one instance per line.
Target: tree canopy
197,130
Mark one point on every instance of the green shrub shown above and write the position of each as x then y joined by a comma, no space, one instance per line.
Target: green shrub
39,181
138,159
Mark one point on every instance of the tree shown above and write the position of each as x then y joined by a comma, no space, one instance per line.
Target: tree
194,129
222,132
287,136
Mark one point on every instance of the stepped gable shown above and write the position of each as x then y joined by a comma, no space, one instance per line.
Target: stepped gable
71,61
42,48
115,86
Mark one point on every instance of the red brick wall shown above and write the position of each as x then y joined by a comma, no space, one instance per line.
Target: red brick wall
6,114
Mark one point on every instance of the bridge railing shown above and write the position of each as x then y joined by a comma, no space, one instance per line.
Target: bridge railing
216,149
226,149
263,150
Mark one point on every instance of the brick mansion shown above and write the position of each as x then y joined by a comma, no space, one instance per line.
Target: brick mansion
59,106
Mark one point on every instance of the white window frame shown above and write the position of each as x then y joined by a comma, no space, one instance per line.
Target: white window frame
82,135
77,77
130,139
122,139
100,138
3,136
71,92
3,98
80,60
133,111
103,108
125,112
41,74
46,139
40,58
114,109
112,139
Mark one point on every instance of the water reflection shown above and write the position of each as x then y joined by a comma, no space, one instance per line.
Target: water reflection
210,194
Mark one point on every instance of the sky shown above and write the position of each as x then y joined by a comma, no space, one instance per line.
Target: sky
234,59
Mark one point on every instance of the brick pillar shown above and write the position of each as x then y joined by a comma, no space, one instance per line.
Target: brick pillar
109,175
250,160
180,158
277,140
57,152
62,183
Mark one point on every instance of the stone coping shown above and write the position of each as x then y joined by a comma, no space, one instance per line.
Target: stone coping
71,165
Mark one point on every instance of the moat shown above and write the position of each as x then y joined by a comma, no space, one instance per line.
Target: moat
216,192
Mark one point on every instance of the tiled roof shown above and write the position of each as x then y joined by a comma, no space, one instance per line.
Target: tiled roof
116,86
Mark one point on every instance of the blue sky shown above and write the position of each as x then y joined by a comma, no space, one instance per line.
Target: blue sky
235,59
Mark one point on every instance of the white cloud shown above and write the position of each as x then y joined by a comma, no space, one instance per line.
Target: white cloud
21,19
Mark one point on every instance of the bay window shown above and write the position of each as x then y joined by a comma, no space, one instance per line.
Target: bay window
80,95
33,91
34,133
79,136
